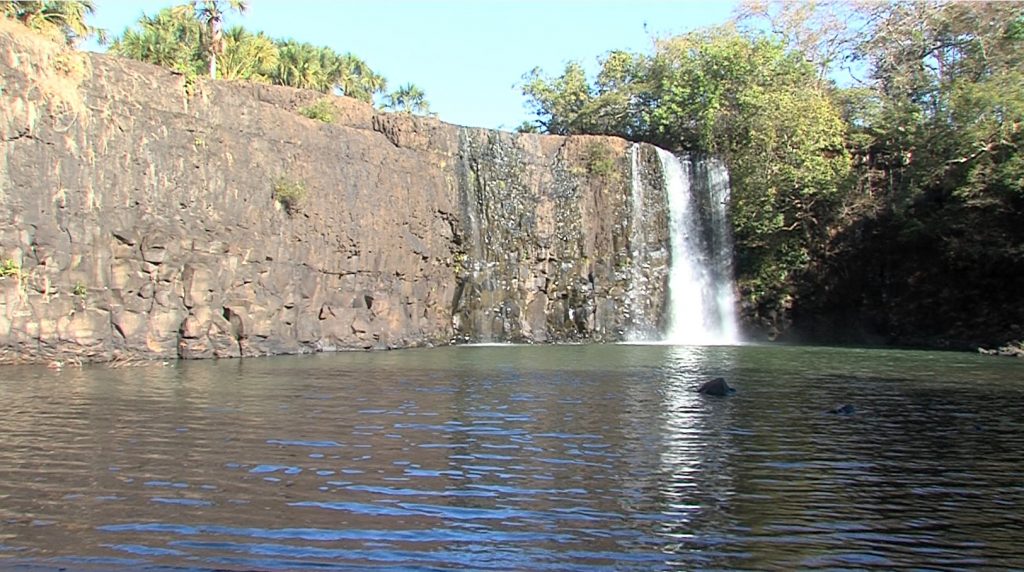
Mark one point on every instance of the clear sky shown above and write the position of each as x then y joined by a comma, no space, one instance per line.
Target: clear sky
467,55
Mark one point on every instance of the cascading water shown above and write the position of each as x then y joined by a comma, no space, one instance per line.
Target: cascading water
701,303
638,251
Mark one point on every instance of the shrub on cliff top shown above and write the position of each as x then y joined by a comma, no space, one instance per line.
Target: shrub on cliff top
322,110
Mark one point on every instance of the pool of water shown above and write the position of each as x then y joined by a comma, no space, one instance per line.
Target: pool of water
517,458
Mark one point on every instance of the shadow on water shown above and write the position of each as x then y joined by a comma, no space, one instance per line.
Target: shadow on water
520,457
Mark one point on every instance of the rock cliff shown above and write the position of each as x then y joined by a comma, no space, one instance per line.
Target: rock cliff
144,215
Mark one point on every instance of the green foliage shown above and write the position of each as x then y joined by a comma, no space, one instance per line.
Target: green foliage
322,110
10,268
459,265
599,160
61,19
528,127
172,39
747,99
247,56
304,66
184,37
614,105
559,102
928,240
289,193
948,81
211,14
192,81
80,290
407,99
355,79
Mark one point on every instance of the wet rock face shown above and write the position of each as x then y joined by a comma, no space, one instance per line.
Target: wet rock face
545,239
146,223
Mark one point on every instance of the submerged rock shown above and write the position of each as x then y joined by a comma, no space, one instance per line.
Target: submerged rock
717,387
844,409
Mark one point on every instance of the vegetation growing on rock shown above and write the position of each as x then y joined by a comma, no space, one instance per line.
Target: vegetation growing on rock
600,160
10,268
62,20
891,206
321,111
290,193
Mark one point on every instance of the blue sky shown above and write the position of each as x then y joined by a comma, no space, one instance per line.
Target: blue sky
467,55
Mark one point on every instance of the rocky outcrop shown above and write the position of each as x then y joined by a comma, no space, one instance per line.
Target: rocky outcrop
717,387
143,215
1012,349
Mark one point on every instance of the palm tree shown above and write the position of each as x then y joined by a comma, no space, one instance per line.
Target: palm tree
247,56
408,99
58,18
356,79
330,68
302,65
171,39
211,14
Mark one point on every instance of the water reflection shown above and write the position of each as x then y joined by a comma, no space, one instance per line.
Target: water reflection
532,458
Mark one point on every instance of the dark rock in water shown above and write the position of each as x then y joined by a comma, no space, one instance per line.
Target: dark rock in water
845,409
717,387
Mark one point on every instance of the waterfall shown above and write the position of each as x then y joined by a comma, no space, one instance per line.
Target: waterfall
701,308
638,278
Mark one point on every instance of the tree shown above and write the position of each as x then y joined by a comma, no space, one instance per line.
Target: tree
63,19
211,14
247,56
528,127
408,99
356,79
823,31
559,103
182,38
171,38
304,66
948,77
745,98
307,66
928,242
759,106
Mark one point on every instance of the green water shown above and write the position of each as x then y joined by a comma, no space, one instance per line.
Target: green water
517,458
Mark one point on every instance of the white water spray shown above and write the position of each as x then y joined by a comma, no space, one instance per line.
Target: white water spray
638,248
701,300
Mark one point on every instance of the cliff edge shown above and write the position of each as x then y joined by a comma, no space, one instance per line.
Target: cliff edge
146,216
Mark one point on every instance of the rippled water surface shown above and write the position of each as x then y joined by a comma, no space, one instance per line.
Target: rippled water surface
517,458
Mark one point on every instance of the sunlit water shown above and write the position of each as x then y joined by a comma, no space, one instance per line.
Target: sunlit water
517,458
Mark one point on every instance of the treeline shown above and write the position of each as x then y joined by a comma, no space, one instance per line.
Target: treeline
191,39
874,150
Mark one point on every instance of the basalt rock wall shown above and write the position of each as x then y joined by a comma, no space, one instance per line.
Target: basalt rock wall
146,215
